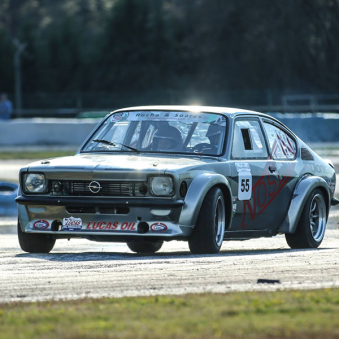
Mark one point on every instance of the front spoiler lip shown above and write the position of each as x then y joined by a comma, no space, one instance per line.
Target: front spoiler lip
100,202
85,233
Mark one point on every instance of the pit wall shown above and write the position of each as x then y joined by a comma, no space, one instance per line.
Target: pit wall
320,127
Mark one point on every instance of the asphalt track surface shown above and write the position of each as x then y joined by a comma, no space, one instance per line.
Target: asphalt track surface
80,268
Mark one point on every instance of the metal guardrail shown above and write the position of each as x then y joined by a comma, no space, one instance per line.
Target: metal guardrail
310,102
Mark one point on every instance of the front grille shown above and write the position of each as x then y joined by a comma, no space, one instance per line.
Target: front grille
75,209
107,188
93,210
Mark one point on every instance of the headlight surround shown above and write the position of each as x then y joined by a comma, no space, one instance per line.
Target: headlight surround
35,183
161,186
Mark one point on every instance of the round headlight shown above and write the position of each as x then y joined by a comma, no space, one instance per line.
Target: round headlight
35,183
161,186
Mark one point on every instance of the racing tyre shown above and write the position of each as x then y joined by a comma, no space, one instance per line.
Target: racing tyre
145,247
312,224
35,243
209,230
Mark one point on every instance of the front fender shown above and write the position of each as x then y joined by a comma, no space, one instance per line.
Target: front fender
300,195
196,193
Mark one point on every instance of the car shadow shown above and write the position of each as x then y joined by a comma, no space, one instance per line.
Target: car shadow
107,256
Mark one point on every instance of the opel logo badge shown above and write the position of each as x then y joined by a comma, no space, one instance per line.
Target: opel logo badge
94,187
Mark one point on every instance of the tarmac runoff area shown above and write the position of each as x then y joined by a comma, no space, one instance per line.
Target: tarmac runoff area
83,269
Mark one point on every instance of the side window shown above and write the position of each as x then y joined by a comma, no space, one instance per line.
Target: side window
248,140
281,145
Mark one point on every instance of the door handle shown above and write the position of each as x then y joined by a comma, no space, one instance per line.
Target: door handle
272,168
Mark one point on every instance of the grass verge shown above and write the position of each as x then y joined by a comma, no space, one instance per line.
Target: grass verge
284,314
34,155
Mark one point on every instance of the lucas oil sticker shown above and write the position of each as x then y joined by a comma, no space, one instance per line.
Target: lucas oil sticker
71,224
244,181
111,225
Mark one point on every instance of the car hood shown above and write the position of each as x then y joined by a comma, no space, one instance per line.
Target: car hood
107,162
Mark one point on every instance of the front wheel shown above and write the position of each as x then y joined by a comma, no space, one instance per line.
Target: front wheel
209,230
35,243
144,247
312,224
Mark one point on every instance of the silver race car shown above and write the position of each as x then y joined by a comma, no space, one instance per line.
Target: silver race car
151,174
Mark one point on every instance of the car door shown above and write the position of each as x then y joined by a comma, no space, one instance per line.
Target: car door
283,150
255,182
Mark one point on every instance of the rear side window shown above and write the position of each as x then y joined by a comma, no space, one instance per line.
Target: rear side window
248,140
281,144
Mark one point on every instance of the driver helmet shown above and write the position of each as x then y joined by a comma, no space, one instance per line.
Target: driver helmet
167,139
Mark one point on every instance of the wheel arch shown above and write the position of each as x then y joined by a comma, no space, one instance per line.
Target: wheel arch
228,204
300,195
196,194
324,191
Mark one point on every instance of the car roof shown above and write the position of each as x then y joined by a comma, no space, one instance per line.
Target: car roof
190,108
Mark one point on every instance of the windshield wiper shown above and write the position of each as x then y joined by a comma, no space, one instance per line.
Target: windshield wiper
103,141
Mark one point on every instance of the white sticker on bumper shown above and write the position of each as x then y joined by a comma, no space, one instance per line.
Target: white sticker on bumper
71,224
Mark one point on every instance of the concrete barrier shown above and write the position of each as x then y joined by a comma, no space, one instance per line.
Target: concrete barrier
26,132
317,127
8,192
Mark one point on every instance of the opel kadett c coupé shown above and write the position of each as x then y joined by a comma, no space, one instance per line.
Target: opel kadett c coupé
151,174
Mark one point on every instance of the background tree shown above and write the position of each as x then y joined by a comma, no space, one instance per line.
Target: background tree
224,47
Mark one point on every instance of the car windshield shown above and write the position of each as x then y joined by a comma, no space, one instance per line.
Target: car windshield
160,132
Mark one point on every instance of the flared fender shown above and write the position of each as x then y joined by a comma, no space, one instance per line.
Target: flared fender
301,192
196,193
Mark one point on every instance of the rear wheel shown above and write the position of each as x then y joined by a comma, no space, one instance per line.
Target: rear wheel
312,224
209,230
145,247
35,243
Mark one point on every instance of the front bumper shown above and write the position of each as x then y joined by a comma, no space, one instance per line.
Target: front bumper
46,215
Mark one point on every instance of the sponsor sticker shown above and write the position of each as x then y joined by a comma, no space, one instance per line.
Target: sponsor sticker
243,167
184,176
158,227
119,116
71,224
41,224
234,208
111,225
169,116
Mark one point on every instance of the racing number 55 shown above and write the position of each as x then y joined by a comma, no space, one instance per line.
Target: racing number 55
245,185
